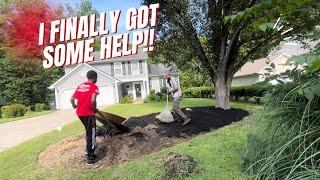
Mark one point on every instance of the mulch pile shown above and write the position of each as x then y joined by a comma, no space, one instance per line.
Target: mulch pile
146,135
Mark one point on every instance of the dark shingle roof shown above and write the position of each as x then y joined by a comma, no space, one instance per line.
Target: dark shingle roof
160,69
140,55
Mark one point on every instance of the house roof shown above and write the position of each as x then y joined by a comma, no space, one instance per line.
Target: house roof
66,76
294,48
160,69
139,55
287,49
257,66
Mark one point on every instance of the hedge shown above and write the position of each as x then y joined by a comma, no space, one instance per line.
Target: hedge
255,91
158,97
199,92
14,110
41,107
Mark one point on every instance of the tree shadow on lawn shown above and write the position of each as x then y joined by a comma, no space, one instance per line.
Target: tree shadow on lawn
147,135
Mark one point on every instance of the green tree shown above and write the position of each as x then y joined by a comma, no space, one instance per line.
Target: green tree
25,81
84,8
190,78
230,41
22,78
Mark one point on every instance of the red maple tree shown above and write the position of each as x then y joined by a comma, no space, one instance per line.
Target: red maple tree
22,27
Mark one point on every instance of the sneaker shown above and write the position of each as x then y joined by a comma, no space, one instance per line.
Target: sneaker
187,121
93,159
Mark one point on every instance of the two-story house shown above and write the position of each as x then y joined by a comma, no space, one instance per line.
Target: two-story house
117,77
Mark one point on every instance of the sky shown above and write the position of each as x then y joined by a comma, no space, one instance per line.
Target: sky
105,6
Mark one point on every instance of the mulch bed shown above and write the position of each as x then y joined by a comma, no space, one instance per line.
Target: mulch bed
146,135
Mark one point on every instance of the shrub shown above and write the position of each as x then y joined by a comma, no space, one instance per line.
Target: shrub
199,92
157,97
163,90
286,143
126,99
14,110
41,107
153,92
255,91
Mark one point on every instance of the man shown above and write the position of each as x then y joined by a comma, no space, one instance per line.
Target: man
86,106
174,89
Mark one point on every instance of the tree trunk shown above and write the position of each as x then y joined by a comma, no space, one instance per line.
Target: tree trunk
222,84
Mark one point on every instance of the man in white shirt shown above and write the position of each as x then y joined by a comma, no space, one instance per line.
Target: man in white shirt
174,88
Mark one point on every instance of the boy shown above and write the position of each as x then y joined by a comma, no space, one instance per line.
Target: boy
86,106
174,89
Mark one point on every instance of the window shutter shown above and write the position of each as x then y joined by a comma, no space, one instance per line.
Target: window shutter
124,71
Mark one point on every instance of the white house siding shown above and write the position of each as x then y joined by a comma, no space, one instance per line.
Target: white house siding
106,67
65,89
157,82
154,83
245,80
135,72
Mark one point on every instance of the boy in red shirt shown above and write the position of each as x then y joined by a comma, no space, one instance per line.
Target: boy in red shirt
86,106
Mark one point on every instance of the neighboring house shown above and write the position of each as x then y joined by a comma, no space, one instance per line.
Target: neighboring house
254,72
117,77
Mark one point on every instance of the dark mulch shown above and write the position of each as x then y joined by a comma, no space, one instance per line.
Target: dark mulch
203,119
146,135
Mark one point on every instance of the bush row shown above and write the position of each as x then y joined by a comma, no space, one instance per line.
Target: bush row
14,110
199,92
41,107
255,91
157,97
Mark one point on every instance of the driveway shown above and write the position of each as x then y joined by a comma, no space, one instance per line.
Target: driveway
14,133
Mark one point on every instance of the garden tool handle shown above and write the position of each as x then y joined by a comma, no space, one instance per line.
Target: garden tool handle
167,101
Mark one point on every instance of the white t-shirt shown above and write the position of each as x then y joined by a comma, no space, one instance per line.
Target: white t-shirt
174,84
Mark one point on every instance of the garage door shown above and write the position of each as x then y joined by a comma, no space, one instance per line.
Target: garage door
106,97
65,98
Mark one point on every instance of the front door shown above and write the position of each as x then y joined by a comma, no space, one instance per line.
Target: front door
137,88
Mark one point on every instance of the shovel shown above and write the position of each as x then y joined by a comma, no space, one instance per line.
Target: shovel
106,118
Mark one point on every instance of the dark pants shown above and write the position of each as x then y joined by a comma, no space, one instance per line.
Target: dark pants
89,123
176,108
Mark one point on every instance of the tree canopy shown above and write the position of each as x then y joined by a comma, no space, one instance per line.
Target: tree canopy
221,36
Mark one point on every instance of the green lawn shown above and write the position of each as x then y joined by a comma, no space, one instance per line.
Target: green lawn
218,153
27,115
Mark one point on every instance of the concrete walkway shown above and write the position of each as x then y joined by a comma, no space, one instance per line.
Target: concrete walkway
14,133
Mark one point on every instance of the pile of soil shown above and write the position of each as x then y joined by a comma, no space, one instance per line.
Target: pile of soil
178,166
147,134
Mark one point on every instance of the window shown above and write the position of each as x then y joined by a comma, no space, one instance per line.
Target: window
135,67
140,67
129,67
124,68
112,69
117,69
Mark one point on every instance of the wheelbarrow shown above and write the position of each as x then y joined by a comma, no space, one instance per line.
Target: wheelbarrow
107,118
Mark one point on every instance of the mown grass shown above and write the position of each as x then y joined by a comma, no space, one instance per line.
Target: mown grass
219,153
29,114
